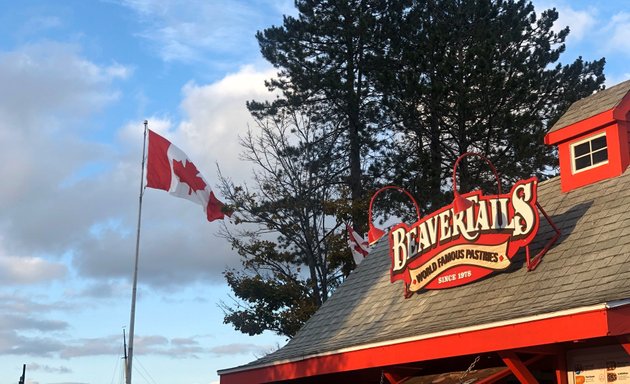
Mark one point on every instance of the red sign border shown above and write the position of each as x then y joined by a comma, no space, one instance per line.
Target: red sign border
515,243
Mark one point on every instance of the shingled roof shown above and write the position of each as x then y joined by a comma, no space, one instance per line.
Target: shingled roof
592,105
590,264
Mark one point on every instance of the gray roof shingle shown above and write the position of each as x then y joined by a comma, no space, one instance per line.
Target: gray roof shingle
583,268
592,105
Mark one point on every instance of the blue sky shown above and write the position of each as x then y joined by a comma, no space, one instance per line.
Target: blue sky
77,78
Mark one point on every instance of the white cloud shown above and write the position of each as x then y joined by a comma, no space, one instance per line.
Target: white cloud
177,245
47,368
580,22
240,349
117,71
617,34
47,90
109,345
27,305
190,33
45,80
20,322
24,320
217,115
15,344
143,345
29,270
598,29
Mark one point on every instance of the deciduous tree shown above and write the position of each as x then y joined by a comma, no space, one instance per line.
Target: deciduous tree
292,254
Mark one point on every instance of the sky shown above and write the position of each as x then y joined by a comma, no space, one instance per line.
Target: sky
77,80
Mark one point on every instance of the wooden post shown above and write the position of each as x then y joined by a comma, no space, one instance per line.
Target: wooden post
517,367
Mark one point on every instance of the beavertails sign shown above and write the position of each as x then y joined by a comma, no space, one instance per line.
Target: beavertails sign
448,249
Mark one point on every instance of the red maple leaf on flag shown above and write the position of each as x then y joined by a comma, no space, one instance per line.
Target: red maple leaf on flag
188,174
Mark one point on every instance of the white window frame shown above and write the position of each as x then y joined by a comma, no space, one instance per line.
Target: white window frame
590,153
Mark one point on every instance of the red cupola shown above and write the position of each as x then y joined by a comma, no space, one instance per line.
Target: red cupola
592,138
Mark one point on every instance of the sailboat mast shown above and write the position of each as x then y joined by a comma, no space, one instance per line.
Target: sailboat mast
125,352
135,269
23,377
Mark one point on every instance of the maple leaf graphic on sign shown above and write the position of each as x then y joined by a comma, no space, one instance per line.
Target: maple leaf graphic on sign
188,174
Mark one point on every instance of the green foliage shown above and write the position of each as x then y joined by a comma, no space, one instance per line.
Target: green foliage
323,57
474,75
278,297
280,302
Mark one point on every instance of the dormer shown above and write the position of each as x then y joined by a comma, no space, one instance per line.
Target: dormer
592,138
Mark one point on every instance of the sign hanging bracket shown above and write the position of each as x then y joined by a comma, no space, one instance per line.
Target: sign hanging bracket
532,262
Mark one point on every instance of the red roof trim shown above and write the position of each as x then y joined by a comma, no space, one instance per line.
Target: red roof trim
619,321
577,326
620,112
581,127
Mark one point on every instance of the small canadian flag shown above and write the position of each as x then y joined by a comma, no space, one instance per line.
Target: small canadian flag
169,169
358,245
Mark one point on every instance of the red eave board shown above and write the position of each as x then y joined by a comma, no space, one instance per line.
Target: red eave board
589,324
580,128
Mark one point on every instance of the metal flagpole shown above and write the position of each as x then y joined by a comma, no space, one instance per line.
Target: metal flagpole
135,269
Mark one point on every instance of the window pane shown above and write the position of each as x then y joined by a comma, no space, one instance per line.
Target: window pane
581,149
598,143
599,156
582,162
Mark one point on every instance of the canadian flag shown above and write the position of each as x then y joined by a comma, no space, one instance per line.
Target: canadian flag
169,168
358,245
